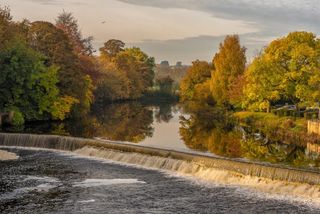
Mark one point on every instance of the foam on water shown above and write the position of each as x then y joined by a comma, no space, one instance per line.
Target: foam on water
105,182
4,155
87,201
267,178
21,191
305,192
43,179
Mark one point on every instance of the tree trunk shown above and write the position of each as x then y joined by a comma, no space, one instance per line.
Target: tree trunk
268,109
298,110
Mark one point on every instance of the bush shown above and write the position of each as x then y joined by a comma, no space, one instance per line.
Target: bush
18,119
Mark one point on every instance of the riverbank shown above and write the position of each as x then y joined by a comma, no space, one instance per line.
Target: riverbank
288,130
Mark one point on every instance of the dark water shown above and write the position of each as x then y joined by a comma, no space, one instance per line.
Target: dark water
48,182
172,126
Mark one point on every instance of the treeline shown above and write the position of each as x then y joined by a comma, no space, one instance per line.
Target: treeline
286,71
48,71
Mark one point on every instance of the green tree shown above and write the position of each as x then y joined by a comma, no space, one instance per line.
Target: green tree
28,84
229,64
165,85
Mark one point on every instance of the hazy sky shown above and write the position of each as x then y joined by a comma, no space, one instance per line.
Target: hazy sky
179,30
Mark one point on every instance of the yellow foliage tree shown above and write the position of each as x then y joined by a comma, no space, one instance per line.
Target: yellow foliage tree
229,65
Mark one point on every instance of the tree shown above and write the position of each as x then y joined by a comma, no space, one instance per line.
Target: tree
56,46
229,64
138,67
69,24
28,84
287,71
112,86
112,47
10,29
82,46
197,74
5,23
165,84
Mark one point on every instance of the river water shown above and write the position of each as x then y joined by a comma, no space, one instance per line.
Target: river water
51,182
43,181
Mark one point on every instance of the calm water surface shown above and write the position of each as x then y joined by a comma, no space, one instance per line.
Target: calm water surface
171,126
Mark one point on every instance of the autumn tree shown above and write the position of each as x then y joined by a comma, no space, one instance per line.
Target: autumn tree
82,47
69,24
112,86
112,47
5,23
287,71
10,29
55,45
229,65
138,67
197,76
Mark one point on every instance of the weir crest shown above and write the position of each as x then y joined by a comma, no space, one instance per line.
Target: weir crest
262,176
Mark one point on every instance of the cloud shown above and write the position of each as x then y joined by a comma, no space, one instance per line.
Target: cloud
200,47
57,2
48,2
272,18
276,15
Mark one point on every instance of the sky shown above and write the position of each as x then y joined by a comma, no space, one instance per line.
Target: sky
179,30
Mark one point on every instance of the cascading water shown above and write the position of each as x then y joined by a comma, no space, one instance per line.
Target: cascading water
265,177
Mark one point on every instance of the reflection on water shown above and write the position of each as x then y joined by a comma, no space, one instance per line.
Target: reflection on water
191,128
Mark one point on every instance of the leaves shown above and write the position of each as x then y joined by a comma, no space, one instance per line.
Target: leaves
197,74
288,70
229,65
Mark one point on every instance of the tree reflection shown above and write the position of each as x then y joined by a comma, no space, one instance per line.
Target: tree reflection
163,113
125,122
210,129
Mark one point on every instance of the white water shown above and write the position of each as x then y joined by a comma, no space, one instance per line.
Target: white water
47,183
4,155
105,182
42,179
267,179
301,191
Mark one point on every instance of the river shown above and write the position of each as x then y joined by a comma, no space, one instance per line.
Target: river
69,181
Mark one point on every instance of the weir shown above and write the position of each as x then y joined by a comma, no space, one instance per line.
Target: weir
161,158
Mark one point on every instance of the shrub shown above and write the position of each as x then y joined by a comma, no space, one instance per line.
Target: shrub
18,119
